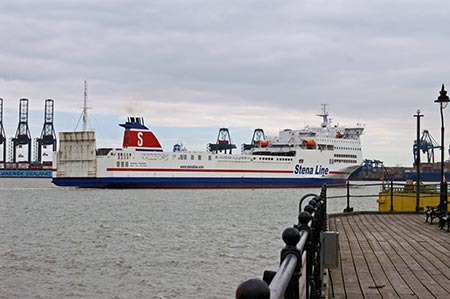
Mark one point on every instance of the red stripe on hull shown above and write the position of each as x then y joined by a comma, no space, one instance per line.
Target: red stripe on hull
196,170
208,170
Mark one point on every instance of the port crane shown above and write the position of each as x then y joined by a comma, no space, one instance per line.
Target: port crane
427,146
372,165
47,141
2,135
22,139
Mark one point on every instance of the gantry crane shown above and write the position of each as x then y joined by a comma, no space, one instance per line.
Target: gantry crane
427,146
2,136
47,142
22,140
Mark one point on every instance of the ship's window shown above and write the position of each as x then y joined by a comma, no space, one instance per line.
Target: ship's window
126,164
199,157
118,164
121,164
209,158
192,157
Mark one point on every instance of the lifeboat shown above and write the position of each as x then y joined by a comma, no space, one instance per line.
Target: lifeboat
264,143
309,143
339,135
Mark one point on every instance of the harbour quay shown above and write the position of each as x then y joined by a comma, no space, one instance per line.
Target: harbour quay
358,254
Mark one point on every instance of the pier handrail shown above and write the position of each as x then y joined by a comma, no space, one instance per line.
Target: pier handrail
301,268
281,279
302,262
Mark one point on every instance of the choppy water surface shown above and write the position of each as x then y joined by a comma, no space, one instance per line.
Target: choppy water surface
90,243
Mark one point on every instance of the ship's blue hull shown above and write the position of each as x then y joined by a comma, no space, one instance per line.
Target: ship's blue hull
194,182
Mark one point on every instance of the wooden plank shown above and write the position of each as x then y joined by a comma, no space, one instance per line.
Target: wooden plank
385,264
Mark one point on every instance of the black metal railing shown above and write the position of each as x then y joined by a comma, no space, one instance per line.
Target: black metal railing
300,274
394,189
301,267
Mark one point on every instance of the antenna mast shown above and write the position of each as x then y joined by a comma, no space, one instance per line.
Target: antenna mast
324,115
85,107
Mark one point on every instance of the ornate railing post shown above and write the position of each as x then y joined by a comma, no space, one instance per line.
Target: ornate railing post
254,288
323,198
314,208
291,236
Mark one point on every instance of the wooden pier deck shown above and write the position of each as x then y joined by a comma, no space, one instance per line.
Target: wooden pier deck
390,256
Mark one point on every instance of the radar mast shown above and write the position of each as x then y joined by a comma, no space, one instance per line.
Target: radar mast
324,115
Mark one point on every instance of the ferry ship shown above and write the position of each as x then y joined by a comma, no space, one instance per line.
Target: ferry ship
306,157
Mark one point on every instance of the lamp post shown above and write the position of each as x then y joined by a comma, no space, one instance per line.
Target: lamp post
443,101
418,148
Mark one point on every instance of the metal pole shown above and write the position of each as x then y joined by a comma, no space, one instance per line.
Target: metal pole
442,200
392,196
418,148
443,101
348,208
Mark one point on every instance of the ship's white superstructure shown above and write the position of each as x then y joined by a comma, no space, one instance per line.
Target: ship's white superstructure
295,158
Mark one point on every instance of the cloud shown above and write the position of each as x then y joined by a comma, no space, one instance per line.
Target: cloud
249,63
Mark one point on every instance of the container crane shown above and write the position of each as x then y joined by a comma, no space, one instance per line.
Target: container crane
47,142
427,146
2,137
22,140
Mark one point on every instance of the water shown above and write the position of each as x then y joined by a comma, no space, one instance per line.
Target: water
89,243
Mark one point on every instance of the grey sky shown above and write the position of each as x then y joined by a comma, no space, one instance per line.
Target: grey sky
240,64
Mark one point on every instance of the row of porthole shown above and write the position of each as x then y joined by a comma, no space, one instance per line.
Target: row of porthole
345,156
154,157
122,164
277,159
184,157
345,161
348,148
124,156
